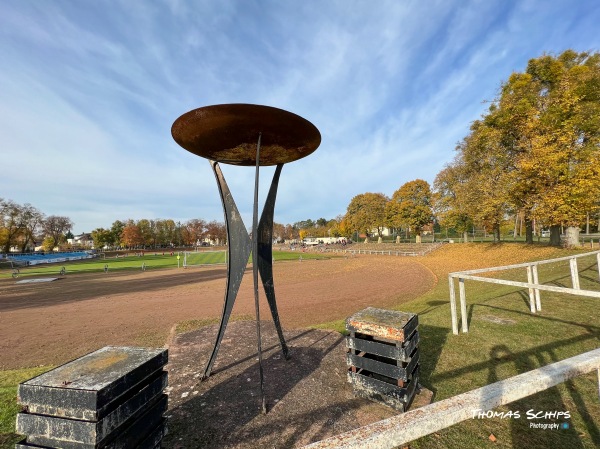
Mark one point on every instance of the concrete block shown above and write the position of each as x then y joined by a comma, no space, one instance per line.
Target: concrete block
73,434
91,387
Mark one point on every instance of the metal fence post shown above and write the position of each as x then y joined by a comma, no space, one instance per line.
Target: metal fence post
574,273
598,261
453,306
463,305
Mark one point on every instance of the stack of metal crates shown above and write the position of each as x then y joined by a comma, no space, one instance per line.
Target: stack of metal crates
383,356
110,398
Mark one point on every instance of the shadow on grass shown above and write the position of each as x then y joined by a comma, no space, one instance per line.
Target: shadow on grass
550,400
432,341
432,305
588,327
521,355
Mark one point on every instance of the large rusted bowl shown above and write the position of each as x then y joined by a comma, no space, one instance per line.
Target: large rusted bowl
228,133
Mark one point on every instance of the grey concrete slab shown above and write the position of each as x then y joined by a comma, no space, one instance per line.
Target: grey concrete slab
90,387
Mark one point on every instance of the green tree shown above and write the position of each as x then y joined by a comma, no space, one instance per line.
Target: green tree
116,230
101,238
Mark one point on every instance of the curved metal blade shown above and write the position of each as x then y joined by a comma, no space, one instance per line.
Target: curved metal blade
239,246
265,255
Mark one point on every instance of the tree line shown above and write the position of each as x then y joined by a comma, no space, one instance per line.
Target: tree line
22,225
534,154
157,233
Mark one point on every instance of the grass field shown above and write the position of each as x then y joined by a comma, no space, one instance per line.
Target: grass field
8,404
504,339
491,351
150,261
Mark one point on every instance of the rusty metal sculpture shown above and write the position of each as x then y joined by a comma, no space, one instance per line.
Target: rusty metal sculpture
247,135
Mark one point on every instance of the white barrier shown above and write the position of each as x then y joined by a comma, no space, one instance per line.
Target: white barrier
402,429
532,285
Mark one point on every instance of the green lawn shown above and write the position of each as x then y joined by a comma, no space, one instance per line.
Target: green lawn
8,402
490,351
150,261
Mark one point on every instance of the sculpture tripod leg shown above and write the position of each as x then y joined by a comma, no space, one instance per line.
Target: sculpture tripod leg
265,255
239,248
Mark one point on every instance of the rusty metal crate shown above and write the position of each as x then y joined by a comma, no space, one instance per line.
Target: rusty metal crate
390,325
393,350
383,356
395,369
369,386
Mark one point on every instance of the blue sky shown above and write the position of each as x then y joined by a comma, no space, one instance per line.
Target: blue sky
89,91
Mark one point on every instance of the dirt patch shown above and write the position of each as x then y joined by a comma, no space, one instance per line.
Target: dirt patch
308,397
497,320
51,323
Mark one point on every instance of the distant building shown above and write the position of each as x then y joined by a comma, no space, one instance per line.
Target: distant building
84,240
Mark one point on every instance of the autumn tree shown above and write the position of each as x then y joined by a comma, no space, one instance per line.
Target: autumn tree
21,224
290,232
366,213
410,206
486,166
56,227
31,223
564,159
11,223
48,244
450,198
216,231
278,232
536,151
131,235
193,231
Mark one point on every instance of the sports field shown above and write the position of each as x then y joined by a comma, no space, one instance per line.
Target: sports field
149,261
47,324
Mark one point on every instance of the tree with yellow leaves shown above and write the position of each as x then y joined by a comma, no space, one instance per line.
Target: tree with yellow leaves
366,212
537,150
410,206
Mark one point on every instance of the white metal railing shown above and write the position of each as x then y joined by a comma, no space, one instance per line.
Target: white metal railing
424,251
401,429
532,284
